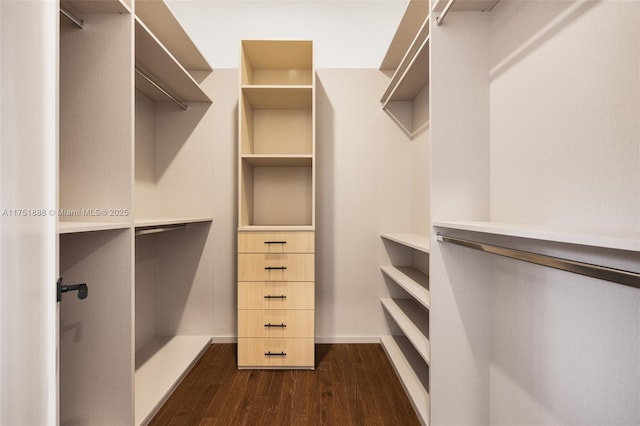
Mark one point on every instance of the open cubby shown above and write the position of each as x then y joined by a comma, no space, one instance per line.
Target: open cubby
277,62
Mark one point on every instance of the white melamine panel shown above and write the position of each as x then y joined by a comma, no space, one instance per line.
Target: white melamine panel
96,125
577,164
459,280
173,152
96,367
157,16
28,244
223,183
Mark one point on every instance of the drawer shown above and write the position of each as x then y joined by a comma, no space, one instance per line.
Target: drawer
276,295
276,242
276,267
278,323
261,352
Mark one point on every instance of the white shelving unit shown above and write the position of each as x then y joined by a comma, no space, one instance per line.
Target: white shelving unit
412,373
160,366
409,309
547,186
407,61
414,241
150,291
412,280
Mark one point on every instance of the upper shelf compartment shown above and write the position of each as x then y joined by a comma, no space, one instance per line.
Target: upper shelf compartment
465,5
159,19
159,65
407,61
277,62
104,6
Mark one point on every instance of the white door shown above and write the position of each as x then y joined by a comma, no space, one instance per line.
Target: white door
28,197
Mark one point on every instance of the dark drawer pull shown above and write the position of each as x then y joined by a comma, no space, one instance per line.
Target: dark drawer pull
269,268
268,296
275,242
276,325
275,353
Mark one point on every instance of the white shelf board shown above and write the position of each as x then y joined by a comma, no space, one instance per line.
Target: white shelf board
95,6
74,227
412,280
413,320
277,228
279,96
619,240
163,221
413,241
160,366
465,5
262,160
405,365
156,61
414,16
413,72
157,16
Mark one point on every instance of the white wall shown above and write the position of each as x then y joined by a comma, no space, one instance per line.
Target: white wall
359,153
28,268
346,33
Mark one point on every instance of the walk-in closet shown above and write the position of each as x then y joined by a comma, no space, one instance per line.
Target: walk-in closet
285,212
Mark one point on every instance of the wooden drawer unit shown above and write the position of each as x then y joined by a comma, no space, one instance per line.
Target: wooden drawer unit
262,352
279,323
276,242
276,295
276,267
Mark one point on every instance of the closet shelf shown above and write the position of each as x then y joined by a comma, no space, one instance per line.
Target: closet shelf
413,320
279,97
404,362
414,16
618,240
274,160
414,241
163,221
276,228
74,227
465,5
412,281
153,58
159,19
412,73
105,6
160,366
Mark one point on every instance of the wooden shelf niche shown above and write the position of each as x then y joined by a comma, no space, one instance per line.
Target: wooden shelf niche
277,143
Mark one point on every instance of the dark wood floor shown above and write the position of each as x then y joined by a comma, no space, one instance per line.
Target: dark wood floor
352,385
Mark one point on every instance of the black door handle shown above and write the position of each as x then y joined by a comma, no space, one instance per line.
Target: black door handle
82,289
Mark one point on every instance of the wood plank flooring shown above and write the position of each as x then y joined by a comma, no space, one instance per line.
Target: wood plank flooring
353,384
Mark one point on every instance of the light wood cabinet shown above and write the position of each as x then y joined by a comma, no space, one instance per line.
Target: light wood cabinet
276,205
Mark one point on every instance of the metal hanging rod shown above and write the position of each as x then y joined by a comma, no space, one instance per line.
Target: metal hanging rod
73,18
619,276
440,19
159,228
161,89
